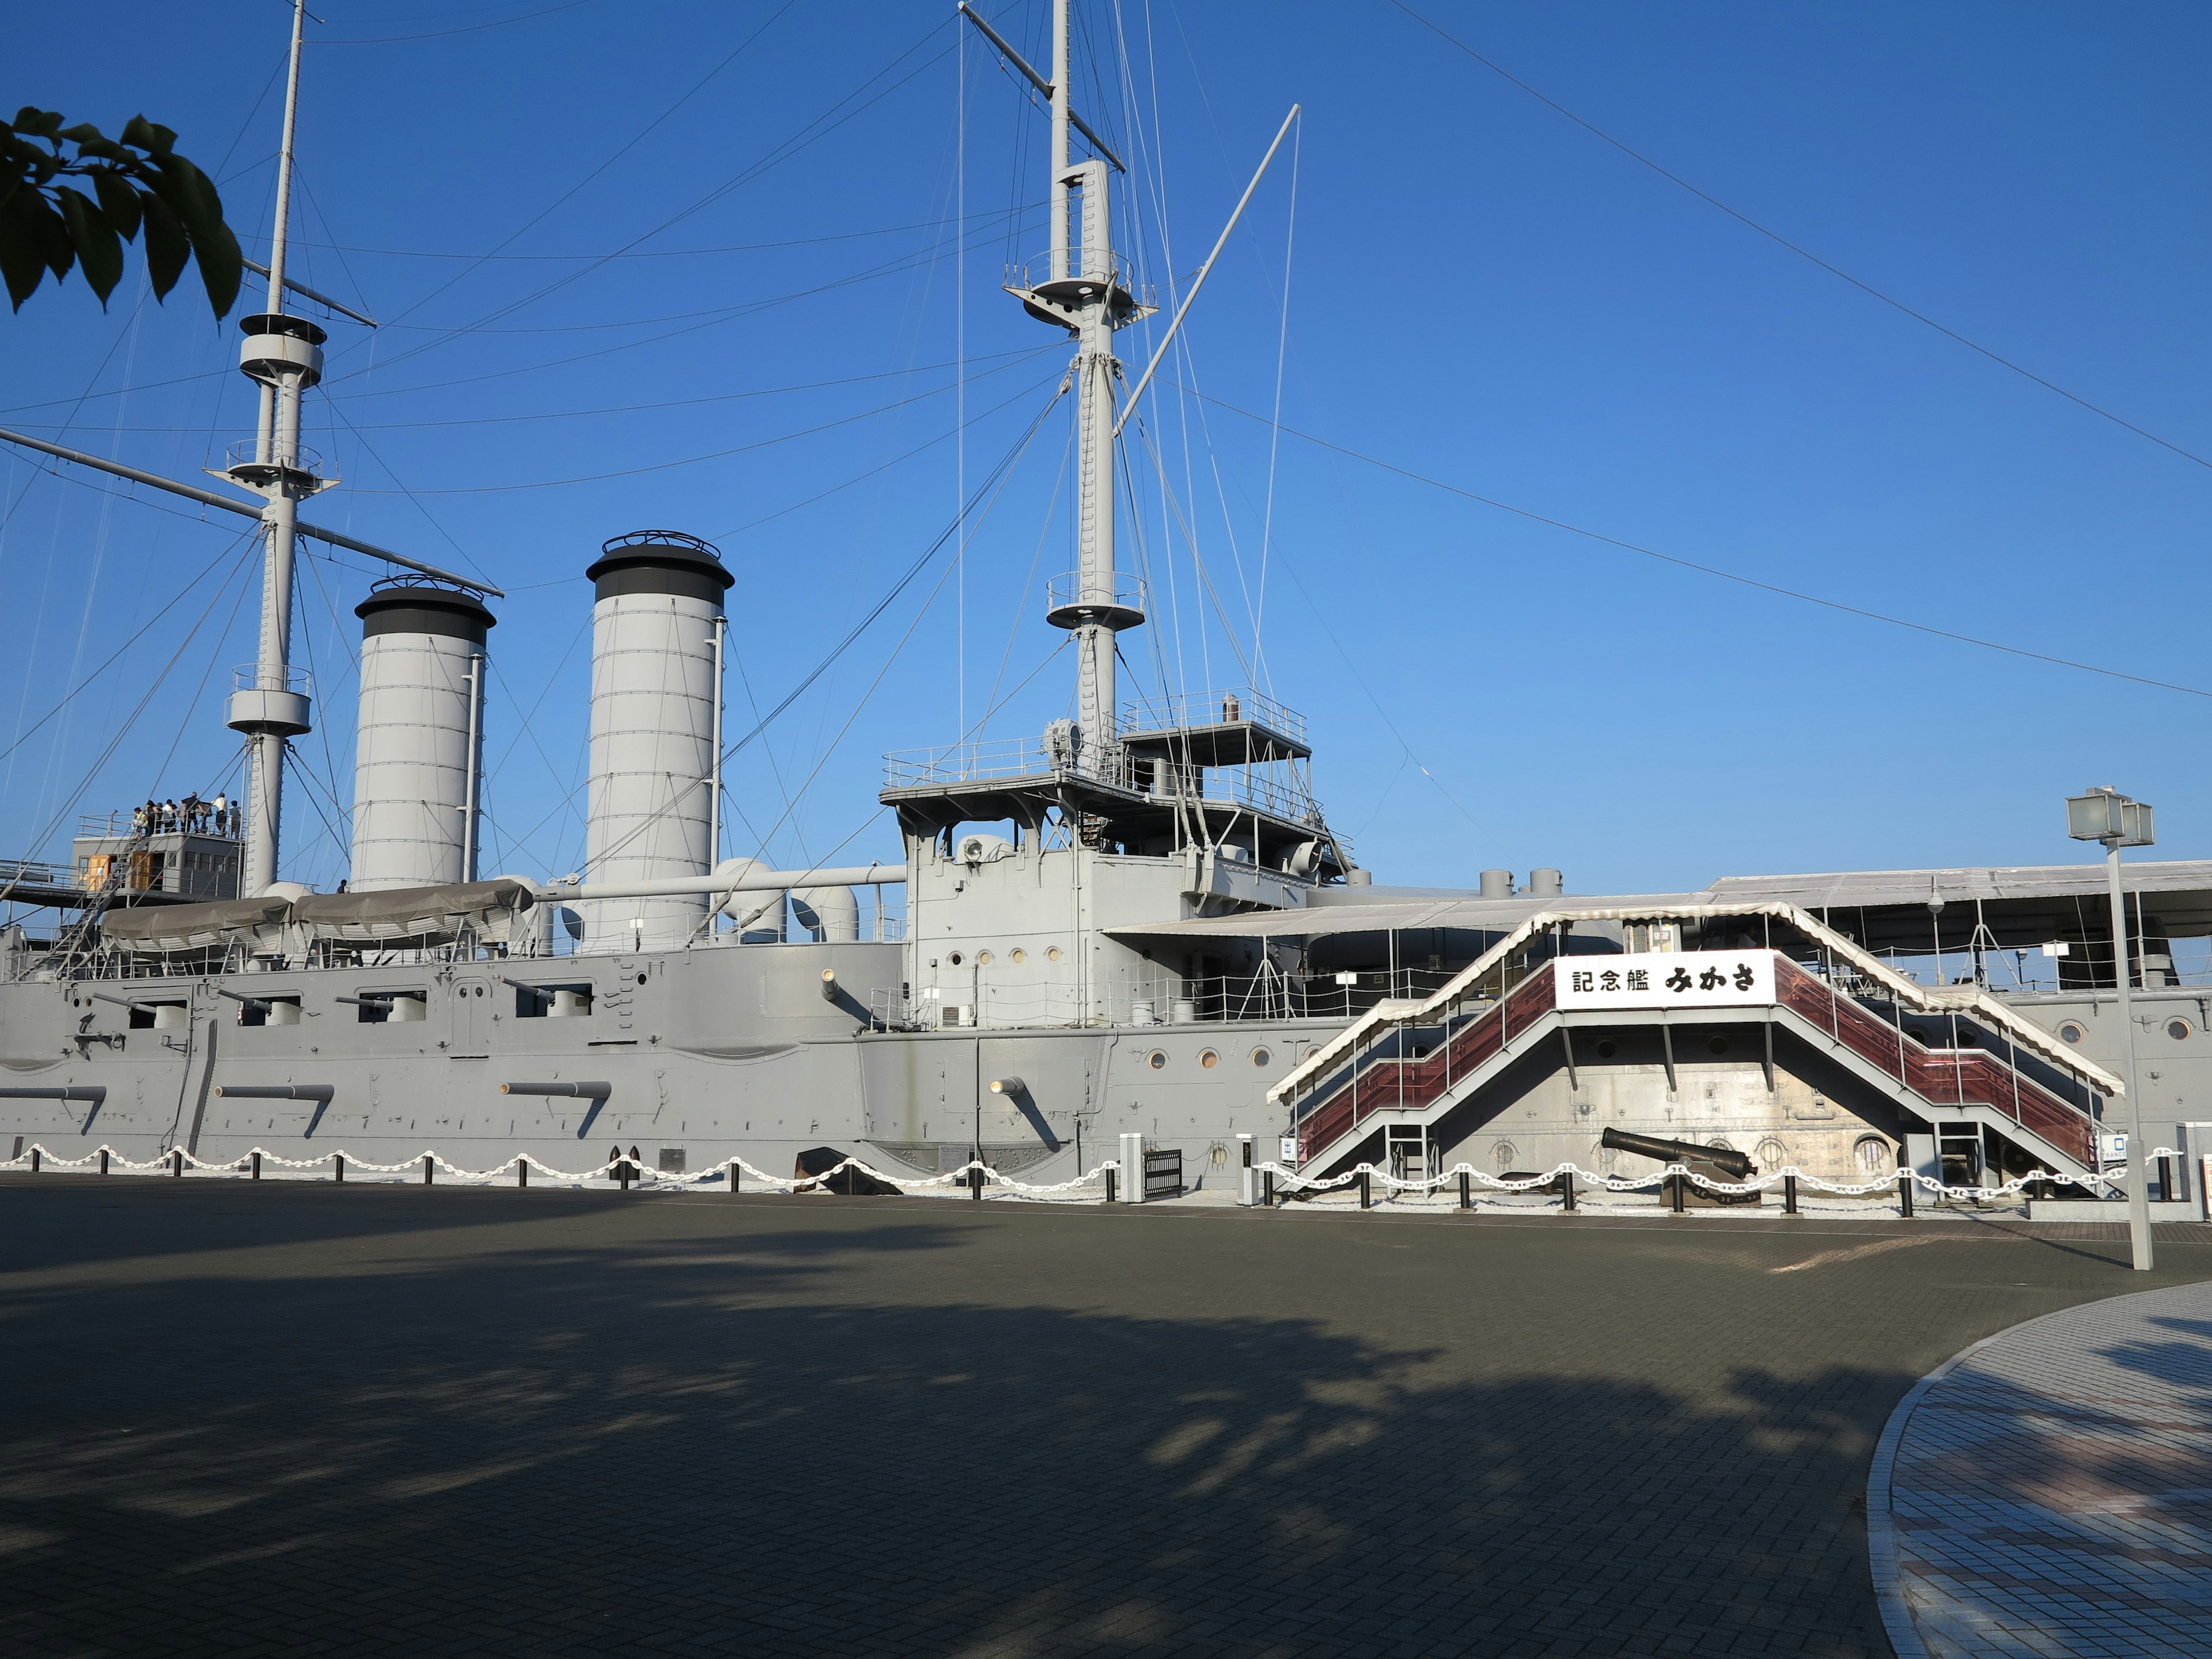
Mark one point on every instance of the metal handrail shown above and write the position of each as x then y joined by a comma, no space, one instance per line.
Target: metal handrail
1182,710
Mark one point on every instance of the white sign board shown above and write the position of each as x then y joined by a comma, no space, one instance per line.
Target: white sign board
1290,1149
1670,979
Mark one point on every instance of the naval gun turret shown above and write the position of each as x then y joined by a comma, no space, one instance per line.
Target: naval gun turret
1714,1163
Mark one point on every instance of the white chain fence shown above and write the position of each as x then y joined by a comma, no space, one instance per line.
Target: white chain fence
37,1158
1766,1183
343,1164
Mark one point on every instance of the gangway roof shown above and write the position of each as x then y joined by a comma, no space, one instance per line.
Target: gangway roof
2019,906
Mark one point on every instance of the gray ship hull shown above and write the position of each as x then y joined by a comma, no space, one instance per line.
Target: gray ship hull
703,1054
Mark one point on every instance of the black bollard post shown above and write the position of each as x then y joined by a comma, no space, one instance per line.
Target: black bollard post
1268,1180
522,1172
1362,1189
256,1165
1790,1194
975,1184
35,1160
1108,1174
337,1168
1676,1185
1466,1191
1567,1187
426,1168
103,1160
622,1172
1904,1185
736,1175
177,1164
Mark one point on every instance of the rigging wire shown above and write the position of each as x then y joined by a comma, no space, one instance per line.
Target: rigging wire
731,314
696,87
1275,429
193,703
25,734
713,455
881,467
1707,570
123,729
617,409
468,28
994,217
1029,583
773,158
1802,251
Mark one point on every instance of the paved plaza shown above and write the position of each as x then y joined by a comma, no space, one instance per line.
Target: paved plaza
294,1419
2050,1496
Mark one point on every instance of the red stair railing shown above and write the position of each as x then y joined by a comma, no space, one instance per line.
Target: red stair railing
1947,1077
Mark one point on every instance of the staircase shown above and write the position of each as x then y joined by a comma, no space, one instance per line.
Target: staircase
1416,1063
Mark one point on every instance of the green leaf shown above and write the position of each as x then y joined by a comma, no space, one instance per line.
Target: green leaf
149,136
53,238
119,202
190,195
23,264
99,249
168,248
98,148
38,123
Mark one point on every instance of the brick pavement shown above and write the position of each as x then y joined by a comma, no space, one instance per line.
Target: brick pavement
294,1419
2050,1493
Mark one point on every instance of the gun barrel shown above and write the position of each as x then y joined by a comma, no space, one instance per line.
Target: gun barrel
1735,1164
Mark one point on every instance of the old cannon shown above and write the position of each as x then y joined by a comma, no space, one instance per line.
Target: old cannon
1714,1163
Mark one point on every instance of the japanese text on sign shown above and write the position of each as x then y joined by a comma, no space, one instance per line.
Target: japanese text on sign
1683,978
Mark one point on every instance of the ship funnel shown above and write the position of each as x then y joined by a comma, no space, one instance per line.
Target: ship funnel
419,750
657,607
1497,884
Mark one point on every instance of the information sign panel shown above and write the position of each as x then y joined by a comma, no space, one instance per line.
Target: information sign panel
1669,979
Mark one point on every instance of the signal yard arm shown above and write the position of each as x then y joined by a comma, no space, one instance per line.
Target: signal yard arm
208,498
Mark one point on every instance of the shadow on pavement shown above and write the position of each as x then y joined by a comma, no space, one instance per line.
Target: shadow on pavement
688,1446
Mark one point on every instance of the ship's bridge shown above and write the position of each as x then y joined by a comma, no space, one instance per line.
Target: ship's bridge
1202,769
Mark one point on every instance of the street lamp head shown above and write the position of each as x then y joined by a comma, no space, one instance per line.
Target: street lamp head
2105,814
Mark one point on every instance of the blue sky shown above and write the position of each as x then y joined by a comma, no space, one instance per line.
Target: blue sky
1478,291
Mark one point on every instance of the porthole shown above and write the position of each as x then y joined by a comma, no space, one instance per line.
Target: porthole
2178,1029
954,958
1020,955
641,979
1718,1045
2069,1032
1606,1048
1051,953
1770,1154
1156,1059
1503,1156
1208,1059
1873,1155
1263,1057
982,958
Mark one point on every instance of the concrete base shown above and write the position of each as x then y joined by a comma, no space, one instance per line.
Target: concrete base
2108,1209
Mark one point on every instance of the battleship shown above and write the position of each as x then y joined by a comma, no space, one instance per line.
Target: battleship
1139,922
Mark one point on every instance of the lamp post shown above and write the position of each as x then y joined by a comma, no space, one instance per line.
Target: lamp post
2105,815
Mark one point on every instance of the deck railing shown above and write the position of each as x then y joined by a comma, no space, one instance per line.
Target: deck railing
1186,709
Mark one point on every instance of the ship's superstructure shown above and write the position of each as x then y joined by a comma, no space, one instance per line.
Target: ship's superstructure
1137,919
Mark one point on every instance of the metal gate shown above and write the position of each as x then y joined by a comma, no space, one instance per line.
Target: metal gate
1163,1172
